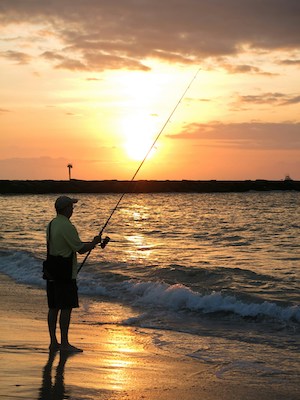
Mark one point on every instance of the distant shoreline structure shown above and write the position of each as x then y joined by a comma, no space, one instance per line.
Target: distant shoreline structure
143,186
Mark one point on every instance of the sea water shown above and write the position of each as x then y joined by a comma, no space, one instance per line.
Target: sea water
219,273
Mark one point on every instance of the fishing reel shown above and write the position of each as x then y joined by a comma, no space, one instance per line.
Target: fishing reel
104,242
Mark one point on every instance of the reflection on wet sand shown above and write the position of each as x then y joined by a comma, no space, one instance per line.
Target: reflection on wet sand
54,390
112,367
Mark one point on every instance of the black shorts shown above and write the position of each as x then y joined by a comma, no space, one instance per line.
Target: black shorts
62,295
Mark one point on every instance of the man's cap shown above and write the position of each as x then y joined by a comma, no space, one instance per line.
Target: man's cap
63,202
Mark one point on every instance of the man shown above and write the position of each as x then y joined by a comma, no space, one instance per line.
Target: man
62,296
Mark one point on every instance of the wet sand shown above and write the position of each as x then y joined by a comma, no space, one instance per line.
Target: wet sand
118,362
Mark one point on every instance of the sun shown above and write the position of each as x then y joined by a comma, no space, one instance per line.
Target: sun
139,135
137,149
140,122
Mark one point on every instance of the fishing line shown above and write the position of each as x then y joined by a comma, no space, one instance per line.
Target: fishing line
103,244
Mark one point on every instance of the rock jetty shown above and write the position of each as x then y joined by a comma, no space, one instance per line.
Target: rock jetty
142,186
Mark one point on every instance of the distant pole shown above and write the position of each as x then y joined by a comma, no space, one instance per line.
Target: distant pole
70,166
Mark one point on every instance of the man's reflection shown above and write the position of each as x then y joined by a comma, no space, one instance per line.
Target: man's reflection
55,390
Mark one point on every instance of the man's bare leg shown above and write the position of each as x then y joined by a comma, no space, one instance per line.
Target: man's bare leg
52,321
64,321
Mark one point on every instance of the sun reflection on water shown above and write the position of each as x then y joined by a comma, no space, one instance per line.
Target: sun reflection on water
140,248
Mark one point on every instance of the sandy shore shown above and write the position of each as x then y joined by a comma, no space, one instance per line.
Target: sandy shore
118,362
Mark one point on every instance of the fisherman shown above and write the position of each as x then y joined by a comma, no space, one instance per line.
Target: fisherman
62,295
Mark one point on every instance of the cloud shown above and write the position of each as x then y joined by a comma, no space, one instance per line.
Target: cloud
96,35
94,79
277,99
245,69
4,110
250,135
290,62
92,61
17,56
292,100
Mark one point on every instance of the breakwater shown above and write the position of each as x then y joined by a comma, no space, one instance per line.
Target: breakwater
142,186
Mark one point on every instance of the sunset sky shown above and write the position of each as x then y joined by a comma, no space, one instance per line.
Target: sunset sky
92,83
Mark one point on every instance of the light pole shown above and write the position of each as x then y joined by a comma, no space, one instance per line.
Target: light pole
70,166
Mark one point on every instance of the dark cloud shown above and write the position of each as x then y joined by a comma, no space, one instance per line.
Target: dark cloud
244,69
292,100
252,135
93,61
277,99
73,65
61,61
52,56
188,99
93,79
4,110
122,33
290,62
16,56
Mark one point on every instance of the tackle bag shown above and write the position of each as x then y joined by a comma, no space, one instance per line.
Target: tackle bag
58,268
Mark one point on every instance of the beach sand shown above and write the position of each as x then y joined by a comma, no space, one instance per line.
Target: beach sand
118,362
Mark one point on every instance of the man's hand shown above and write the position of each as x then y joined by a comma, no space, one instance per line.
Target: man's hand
88,246
97,239
104,242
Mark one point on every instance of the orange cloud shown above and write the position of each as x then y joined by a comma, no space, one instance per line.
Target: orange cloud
250,135
122,33
17,56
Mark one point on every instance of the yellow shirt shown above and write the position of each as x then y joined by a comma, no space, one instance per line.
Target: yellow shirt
64,240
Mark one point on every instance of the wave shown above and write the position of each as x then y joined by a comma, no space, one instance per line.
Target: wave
24,268
21,266
179,297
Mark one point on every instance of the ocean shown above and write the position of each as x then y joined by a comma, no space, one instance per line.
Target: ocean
211,276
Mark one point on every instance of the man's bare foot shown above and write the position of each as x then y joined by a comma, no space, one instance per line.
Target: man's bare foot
54,347
70,349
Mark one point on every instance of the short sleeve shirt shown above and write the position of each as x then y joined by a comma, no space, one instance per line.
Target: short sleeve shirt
64,240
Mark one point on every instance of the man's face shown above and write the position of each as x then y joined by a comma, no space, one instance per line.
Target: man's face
69,210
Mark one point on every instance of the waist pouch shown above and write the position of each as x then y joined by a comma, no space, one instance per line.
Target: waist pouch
58,268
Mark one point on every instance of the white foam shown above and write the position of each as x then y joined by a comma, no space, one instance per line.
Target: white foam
178,297
23,267
246,367
91,286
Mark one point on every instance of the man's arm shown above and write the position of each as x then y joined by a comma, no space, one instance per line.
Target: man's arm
87,246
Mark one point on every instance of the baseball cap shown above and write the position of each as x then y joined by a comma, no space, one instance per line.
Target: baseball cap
63,202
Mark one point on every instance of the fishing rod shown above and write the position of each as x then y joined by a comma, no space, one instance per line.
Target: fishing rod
107,239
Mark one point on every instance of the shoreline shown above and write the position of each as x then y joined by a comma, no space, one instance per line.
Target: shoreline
144,186
119,362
